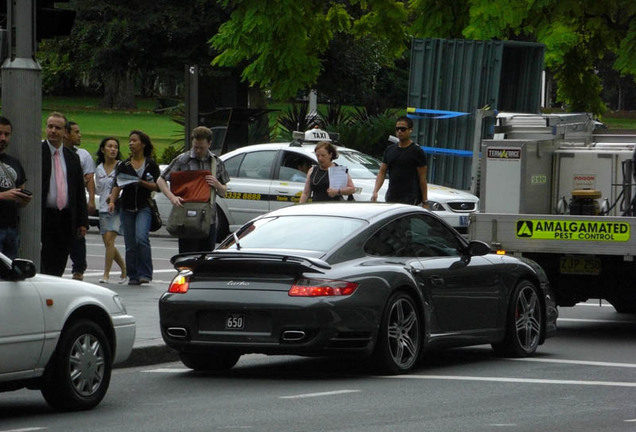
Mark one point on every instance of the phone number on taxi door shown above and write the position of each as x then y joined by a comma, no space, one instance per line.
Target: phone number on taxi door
243,195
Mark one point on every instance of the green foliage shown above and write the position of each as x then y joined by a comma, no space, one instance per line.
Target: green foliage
577,35
296,118
366,132
170,153
281,43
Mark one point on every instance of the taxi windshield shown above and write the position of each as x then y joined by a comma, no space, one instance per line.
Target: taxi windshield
360,165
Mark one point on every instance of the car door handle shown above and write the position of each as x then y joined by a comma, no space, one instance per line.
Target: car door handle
437,280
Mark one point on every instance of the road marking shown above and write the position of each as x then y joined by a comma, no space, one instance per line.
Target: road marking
515,380
25,429
167,370
309,395
576,362
595,320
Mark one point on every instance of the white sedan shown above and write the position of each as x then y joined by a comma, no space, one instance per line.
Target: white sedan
60,336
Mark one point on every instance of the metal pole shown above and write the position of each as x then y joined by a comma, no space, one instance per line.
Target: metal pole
22,104
191,102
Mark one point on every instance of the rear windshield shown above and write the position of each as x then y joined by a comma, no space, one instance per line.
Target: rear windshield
314,233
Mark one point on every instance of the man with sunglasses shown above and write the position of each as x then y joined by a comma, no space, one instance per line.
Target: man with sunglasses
406,164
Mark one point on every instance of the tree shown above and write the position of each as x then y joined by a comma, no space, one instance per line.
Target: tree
577,35
116,42
280,44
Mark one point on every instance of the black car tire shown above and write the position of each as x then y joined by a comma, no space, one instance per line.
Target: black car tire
210,361
78,374
524,322
399,339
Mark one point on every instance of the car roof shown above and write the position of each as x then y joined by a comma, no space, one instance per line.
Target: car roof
358,210
305,147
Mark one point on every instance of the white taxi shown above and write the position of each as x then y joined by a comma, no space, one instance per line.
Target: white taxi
265,177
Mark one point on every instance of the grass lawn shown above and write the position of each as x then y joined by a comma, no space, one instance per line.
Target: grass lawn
621,121
96,124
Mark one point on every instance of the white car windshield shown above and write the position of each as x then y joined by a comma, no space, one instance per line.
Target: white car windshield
360,165
314,233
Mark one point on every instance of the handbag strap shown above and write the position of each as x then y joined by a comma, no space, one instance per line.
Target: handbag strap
213,171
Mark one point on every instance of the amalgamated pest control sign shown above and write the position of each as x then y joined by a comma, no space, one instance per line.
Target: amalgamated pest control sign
573,230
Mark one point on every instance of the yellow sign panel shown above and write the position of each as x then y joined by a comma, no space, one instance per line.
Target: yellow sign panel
573,230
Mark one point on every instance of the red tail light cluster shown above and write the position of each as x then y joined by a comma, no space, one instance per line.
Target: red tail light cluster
179,284
321,288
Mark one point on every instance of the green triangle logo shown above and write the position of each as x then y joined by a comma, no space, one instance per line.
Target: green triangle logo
524,228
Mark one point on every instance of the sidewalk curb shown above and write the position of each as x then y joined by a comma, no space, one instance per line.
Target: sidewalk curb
149,355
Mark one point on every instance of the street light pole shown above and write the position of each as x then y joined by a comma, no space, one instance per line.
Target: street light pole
22,104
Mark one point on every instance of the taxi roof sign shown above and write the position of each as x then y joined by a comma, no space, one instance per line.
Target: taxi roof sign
313,135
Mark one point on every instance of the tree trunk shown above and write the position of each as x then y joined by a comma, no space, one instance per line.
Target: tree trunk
119,91
260,129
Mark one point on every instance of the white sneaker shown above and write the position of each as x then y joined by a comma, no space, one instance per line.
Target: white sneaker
123,281
102,280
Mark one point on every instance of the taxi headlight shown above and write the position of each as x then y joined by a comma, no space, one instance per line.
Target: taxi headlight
435,206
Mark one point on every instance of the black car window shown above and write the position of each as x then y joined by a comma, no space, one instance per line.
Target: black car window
257,165
294,167
415,235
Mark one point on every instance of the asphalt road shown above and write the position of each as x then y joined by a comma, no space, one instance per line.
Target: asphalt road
582,380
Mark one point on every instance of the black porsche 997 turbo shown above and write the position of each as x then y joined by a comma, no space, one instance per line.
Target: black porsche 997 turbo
383,281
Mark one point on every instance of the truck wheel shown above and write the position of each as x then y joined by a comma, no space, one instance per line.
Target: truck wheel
524,323
78,374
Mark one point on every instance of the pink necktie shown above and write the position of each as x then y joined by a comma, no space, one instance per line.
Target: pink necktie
60,181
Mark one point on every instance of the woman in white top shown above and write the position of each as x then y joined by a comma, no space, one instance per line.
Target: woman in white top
108,156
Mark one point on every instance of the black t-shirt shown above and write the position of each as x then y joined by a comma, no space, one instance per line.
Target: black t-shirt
9,209
402,163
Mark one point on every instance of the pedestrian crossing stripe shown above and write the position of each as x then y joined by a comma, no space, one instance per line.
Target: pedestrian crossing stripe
579,230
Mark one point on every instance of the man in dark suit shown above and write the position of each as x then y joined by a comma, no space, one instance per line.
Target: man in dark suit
64,209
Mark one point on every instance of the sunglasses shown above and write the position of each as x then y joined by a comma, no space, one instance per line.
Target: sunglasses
401,129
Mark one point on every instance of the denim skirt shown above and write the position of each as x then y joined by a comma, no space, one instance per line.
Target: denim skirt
109,222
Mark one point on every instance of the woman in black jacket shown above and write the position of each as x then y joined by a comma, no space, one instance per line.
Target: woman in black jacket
136,179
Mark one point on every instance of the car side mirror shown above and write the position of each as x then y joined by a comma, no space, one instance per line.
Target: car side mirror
22,269
478,248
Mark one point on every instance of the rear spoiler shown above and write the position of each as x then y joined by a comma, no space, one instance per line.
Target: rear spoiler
192,260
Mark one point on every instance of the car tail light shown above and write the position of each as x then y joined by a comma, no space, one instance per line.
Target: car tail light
179,284
321,288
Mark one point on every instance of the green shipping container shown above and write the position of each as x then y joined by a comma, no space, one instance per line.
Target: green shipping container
464,76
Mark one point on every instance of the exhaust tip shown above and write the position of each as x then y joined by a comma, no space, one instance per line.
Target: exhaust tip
177,332
293,335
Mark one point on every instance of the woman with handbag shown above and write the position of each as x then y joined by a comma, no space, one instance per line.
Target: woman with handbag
136,180
108,156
